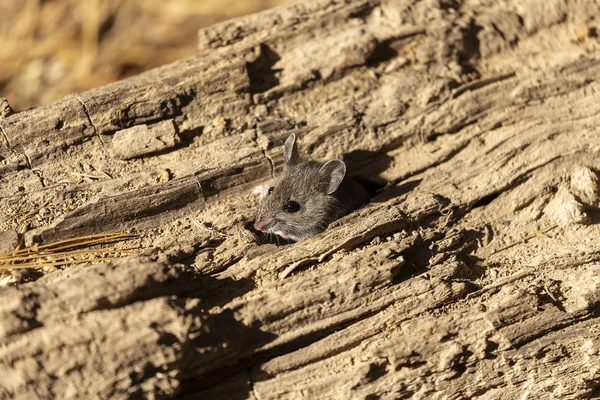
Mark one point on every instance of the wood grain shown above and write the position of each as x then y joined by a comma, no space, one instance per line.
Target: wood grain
476,124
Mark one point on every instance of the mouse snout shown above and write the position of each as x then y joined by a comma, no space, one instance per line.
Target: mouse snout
263,223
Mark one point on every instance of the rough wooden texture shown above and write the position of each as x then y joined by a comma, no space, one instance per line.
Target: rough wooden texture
473,272
141,140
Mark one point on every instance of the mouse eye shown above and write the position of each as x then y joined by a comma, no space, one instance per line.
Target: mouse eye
291,207
270,190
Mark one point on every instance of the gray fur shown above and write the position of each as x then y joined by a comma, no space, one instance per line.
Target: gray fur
331,175
320,189
290,151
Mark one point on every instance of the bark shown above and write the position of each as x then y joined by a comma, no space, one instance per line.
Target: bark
472,273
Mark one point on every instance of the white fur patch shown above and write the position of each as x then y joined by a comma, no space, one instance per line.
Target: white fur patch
294,238
262,190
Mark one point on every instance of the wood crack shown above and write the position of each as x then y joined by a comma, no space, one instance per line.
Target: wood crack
12,149
89,118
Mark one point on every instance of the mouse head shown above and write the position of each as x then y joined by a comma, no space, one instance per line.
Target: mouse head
300,202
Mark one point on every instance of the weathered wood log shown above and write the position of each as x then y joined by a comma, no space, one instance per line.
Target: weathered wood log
473,272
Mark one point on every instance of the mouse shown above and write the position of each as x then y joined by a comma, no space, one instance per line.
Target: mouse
306,197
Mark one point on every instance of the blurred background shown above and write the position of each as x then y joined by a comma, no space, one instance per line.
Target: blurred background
50,48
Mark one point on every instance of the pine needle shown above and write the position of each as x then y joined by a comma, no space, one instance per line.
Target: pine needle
65,254
61,252
74,242
56,264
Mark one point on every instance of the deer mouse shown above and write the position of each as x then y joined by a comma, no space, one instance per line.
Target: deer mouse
307,197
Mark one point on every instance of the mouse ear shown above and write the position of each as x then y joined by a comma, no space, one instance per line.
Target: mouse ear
331,175
290,150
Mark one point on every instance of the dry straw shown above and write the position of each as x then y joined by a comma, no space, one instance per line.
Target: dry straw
49,49
67,252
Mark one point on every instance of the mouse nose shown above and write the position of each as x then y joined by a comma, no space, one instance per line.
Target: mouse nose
263,223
